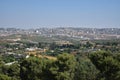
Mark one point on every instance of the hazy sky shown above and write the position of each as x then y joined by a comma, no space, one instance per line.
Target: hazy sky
59,13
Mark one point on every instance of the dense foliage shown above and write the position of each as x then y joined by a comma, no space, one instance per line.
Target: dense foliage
99,65
85,60
108,64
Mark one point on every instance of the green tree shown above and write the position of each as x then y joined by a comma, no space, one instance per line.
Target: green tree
88,44
108,65
14,71
35,68
53,46
4,77
85,69
8,58
31,69
65,66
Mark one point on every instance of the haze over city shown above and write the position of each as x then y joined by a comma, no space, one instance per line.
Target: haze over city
59,39
59,13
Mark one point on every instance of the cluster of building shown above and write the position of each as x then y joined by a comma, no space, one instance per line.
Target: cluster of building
81,33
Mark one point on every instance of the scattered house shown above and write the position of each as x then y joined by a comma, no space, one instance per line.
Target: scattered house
10,63
63,42
17,39
9,53
35,50
15,55
30,49
27,56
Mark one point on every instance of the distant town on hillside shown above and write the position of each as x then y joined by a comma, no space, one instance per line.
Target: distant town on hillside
76,33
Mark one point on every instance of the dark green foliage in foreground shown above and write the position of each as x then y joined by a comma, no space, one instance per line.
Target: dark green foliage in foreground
31,69
66,66
44,69
4,77
99,65
8,58
12,71
108,65
85,69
